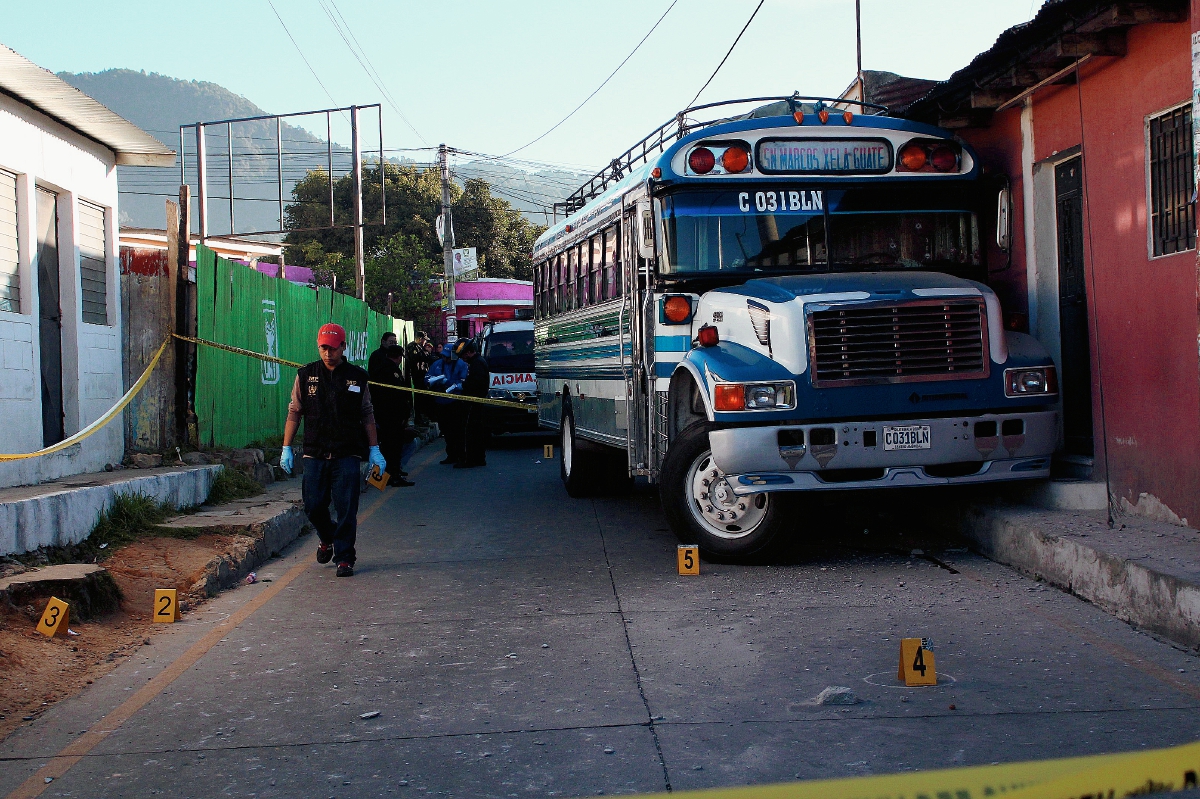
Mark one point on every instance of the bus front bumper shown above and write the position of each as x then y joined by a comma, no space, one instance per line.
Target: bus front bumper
850,454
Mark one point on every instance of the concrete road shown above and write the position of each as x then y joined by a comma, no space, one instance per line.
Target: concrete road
516,642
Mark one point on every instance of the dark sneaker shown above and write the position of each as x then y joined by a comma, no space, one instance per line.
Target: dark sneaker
466,465
449,460
345,570
324,553
400,482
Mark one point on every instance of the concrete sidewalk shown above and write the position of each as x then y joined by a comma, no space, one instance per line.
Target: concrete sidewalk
65,511
1142,571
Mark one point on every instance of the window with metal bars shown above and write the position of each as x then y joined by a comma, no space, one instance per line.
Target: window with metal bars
1172,182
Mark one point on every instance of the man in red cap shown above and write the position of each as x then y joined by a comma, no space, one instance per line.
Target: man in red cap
332,397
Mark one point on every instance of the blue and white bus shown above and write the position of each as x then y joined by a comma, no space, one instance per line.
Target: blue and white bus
786,301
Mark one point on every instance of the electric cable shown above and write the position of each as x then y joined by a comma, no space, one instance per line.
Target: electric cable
601,86
730,52
301,52
372,77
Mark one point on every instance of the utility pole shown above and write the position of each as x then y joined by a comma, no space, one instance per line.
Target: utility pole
447,236
360,269
862,87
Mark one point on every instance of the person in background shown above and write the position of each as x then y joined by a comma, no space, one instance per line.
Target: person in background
380,355
418,356
475,429
447,375
331,396
392,408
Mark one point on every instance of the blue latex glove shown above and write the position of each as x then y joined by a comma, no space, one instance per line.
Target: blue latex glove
455,389
376,460
436,381
285,460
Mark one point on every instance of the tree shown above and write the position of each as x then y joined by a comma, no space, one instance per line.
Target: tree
503,237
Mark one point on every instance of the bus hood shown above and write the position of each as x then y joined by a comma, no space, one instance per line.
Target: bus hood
768,315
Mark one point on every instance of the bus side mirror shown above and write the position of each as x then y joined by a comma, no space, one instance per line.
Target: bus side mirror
645,230
1004,219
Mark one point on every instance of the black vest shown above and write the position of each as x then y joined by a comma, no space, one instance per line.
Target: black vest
332,410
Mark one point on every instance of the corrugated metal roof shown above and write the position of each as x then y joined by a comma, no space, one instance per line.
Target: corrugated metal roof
54,97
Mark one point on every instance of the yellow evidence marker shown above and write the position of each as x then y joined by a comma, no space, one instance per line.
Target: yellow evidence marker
916,663
166,605
547,450
376,479
54,619
688,557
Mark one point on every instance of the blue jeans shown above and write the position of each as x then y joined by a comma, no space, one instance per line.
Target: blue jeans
335,479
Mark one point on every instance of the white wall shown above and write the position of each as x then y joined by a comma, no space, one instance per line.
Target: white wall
44,153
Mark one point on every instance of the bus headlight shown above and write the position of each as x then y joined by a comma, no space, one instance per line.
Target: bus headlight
754,396
1030,382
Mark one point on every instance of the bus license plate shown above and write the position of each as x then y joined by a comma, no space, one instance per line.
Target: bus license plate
914,436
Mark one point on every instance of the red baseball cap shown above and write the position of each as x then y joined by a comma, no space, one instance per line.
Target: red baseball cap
331,335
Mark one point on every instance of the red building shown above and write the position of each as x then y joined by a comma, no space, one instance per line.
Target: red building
1086,113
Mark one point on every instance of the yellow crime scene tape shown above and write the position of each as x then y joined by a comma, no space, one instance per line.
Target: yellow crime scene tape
141,382
293,364
103,420
1091,777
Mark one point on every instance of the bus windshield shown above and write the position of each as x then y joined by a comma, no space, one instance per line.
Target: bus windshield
510,351
777,228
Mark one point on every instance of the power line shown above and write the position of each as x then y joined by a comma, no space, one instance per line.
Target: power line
372,74
601,86
301,52
723,60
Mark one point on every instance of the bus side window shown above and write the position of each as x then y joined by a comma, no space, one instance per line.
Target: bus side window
611,271
560,301
597,292
581,283
572,297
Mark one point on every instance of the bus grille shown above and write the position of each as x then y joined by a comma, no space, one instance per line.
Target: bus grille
898,343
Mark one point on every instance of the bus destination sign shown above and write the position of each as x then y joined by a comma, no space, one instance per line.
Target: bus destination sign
825,156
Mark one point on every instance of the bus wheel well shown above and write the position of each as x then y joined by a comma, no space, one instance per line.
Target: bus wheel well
685,406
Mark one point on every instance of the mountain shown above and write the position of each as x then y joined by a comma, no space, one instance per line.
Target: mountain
159,104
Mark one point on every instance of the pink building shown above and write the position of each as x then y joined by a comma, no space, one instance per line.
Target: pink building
488,299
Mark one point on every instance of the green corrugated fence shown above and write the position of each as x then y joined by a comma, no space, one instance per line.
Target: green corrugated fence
240,400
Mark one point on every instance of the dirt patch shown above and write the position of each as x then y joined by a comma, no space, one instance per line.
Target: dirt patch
36,671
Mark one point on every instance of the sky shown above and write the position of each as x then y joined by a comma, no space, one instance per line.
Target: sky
489,77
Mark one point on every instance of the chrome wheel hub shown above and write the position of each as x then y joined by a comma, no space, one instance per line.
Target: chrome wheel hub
716,507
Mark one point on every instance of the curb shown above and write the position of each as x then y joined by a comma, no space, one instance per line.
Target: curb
1139,593
270,538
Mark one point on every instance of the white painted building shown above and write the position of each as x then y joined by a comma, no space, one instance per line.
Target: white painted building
60,311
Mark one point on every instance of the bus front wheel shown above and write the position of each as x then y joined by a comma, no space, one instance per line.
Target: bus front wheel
700,504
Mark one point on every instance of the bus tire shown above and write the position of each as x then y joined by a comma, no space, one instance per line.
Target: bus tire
692,506
573,465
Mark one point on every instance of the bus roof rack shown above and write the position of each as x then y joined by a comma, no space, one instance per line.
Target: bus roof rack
679,126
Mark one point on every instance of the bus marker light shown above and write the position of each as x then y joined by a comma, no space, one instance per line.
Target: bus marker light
823,115
656,173
701,160
687,557
729,397
735,160
916,663
944,159
913,157
677,309
708,336
848,116
547,450
798,116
